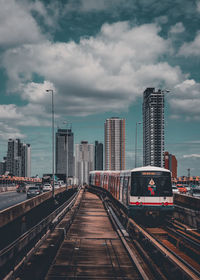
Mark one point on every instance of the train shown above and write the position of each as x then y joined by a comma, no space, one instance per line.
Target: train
143,191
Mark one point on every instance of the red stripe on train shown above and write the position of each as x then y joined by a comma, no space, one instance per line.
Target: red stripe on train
150,203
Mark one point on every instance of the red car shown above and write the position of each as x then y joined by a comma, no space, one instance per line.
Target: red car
181,189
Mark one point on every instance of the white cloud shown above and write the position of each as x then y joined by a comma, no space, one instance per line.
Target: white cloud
198,6
103,73
17,26
35,91
192,156
27,115
185,100
7,132
177,28
189,108
191,48
9,112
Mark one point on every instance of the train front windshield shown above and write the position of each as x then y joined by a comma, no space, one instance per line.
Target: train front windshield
151,183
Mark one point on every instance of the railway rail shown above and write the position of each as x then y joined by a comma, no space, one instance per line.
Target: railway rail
13,257
95,249
165,262
96,240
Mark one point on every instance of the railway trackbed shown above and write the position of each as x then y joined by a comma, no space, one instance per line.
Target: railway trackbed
91,243
95,248
175,255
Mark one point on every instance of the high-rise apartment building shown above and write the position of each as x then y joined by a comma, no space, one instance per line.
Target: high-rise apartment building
171,163
3,166
18,160
153,127
98,157
114,144
65,152
84,158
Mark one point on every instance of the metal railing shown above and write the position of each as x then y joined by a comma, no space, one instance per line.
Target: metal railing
13,254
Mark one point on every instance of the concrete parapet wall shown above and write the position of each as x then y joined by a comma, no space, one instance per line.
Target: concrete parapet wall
10,214
187,201
7,188
187,210
187,216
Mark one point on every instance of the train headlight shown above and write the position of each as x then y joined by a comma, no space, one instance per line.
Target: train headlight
137,203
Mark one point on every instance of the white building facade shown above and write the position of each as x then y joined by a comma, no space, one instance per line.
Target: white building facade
84,161
114,143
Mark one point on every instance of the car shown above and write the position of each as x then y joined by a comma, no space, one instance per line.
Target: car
47,187
182,189
56,186
33,191
61,183
21,187
175,189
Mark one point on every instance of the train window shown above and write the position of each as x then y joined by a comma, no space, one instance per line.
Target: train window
151,185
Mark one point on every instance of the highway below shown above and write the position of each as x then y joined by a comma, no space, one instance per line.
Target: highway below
8,199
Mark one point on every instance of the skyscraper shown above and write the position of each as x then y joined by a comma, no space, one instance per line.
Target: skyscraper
114,144
26,159
65,152
98,157
18,160
153,127
84,157
171,163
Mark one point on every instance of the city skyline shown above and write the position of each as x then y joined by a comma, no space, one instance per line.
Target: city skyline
99,57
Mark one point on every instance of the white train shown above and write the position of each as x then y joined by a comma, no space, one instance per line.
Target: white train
146,190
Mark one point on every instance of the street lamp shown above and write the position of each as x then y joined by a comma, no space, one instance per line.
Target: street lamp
136,144
67,151
52,103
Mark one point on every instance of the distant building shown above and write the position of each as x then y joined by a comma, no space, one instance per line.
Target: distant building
153,127
114,144
98,157
84,158
26,160
18,160
171,163
3,166
12,154
65,152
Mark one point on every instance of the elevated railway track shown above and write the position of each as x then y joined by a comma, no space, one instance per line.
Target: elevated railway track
94,239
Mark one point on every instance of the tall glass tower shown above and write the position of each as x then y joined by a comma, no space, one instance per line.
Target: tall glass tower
114,144
153,127
65,152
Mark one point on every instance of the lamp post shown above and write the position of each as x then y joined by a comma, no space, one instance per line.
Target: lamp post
67,150
136,143
52,103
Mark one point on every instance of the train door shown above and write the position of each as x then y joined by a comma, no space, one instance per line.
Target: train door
118,187
104,181
109,183
129,190
121,188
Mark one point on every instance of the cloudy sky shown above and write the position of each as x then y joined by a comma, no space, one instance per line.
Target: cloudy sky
99,56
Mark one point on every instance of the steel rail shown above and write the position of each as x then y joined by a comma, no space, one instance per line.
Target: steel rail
46,226
189,241
188,270
122,235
